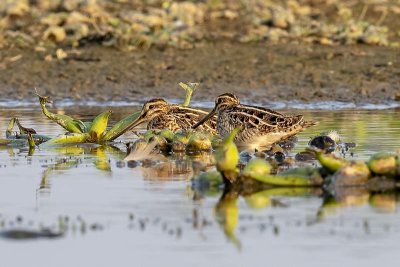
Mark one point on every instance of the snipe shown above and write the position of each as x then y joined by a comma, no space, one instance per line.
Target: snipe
159,114
261,127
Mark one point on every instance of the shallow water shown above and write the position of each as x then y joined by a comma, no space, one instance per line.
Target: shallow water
140,216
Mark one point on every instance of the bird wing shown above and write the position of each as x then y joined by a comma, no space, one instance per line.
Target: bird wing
263,118
187,117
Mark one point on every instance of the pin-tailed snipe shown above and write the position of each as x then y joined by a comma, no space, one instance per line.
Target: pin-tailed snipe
159,114
261,127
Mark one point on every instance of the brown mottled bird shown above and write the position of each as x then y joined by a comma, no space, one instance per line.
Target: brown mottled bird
261,127
159,114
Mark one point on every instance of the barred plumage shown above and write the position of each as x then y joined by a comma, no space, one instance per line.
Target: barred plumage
260,126
159,114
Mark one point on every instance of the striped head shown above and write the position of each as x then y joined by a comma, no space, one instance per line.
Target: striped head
222,102
154,108
226,100
150,110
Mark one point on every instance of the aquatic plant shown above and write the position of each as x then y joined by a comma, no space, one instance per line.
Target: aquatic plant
384,164
95,131
24,136
227,157
197,142
68,123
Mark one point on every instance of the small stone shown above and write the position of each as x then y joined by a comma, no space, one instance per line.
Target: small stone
304,156
279,157
120,164
132,164
323,142
61,54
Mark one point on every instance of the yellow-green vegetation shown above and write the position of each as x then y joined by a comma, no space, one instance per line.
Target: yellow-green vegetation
68,123
132,24
227,157
189,88
258,200
384,164
95,131
264,198
67,139
160,141
385,203
181,137
167,134
31,141
198,141
354,173
121,127
98,127
208,182
329,161
294,177
334,172
257,169
24,136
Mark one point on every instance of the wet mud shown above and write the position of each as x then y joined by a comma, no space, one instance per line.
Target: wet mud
255,72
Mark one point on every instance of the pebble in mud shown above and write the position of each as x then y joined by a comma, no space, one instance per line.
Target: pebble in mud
287,145
324,142
147,163
275,230
132,164
304,156
178,147
279,157
259,154
245,156
120,164
96,227
142,224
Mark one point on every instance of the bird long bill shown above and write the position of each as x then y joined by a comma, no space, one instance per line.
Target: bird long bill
136,122
206,118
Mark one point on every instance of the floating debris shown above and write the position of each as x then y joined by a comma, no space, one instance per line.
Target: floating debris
30,234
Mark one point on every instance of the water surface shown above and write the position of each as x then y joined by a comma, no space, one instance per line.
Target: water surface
121,216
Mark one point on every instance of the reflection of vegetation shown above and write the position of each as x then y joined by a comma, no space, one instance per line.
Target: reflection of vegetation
61,165
343,182
100,156
227,215
227,209
166,170
101,161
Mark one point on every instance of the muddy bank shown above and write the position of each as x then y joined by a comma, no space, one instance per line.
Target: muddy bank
253,71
